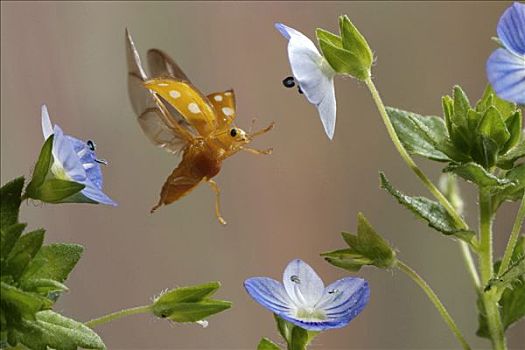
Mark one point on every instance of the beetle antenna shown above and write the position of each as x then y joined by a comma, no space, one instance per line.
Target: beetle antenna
262,131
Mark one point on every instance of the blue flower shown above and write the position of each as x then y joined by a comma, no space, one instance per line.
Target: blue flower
303,300
313,74
75,160
506,66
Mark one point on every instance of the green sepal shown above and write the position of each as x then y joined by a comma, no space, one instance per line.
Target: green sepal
355,42
296,337
42,167
432,212
10,199
267,344
489,98
53,261
43,286
189,304
461,107
475,173
365,248
493,127
513,124
507,160
56,190
23,252
512,301
52,330
23,303
341,60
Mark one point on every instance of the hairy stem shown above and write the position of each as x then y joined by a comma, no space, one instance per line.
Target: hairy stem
435,300
489,298
514,235
119,314
467,256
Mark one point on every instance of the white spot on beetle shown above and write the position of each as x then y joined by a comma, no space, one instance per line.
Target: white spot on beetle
174,94
194,108
217,98
227,111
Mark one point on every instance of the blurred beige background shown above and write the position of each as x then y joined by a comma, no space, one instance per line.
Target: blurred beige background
291,204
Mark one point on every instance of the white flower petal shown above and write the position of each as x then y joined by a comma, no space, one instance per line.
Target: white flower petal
47,128
302,283
313,74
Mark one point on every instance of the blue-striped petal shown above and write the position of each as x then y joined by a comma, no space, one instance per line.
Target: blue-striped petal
511,29
95,194
65,155
270,294
506,73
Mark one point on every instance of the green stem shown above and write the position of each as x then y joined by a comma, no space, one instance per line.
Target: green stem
435,300
514,235
485,253
467,256
119,314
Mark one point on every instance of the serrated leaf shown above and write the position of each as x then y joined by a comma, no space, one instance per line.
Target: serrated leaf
507,160
25,303
267,344
366,248
56,190
8,238
24,250
432,212
420,135
54,261
477,174
10,199
42,166
52,330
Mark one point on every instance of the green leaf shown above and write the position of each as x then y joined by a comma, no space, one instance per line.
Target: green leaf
355,42
493,127
52,330
477,174
512,301
25,303
299,339
24,250
8,238
10,199
432,212
366,248
489,98
56,190
513,124
448,111
420,135
284,327
42,167
267,344
54,261
461,107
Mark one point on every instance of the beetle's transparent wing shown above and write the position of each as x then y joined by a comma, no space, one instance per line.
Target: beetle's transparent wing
161,127
163,66
224,104
188,101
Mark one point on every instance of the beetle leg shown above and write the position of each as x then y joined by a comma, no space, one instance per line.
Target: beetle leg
262,131
258,151
217,191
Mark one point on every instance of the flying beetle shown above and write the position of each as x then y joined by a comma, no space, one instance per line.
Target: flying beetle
177,117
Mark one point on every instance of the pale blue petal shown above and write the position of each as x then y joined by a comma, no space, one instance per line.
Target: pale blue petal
65,154
95,194
345,298
302,283
316,326
511,28
47,127
506,73
283,30
88,160
269,293
327,109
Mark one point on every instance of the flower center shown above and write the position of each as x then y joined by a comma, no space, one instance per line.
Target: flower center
310,314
